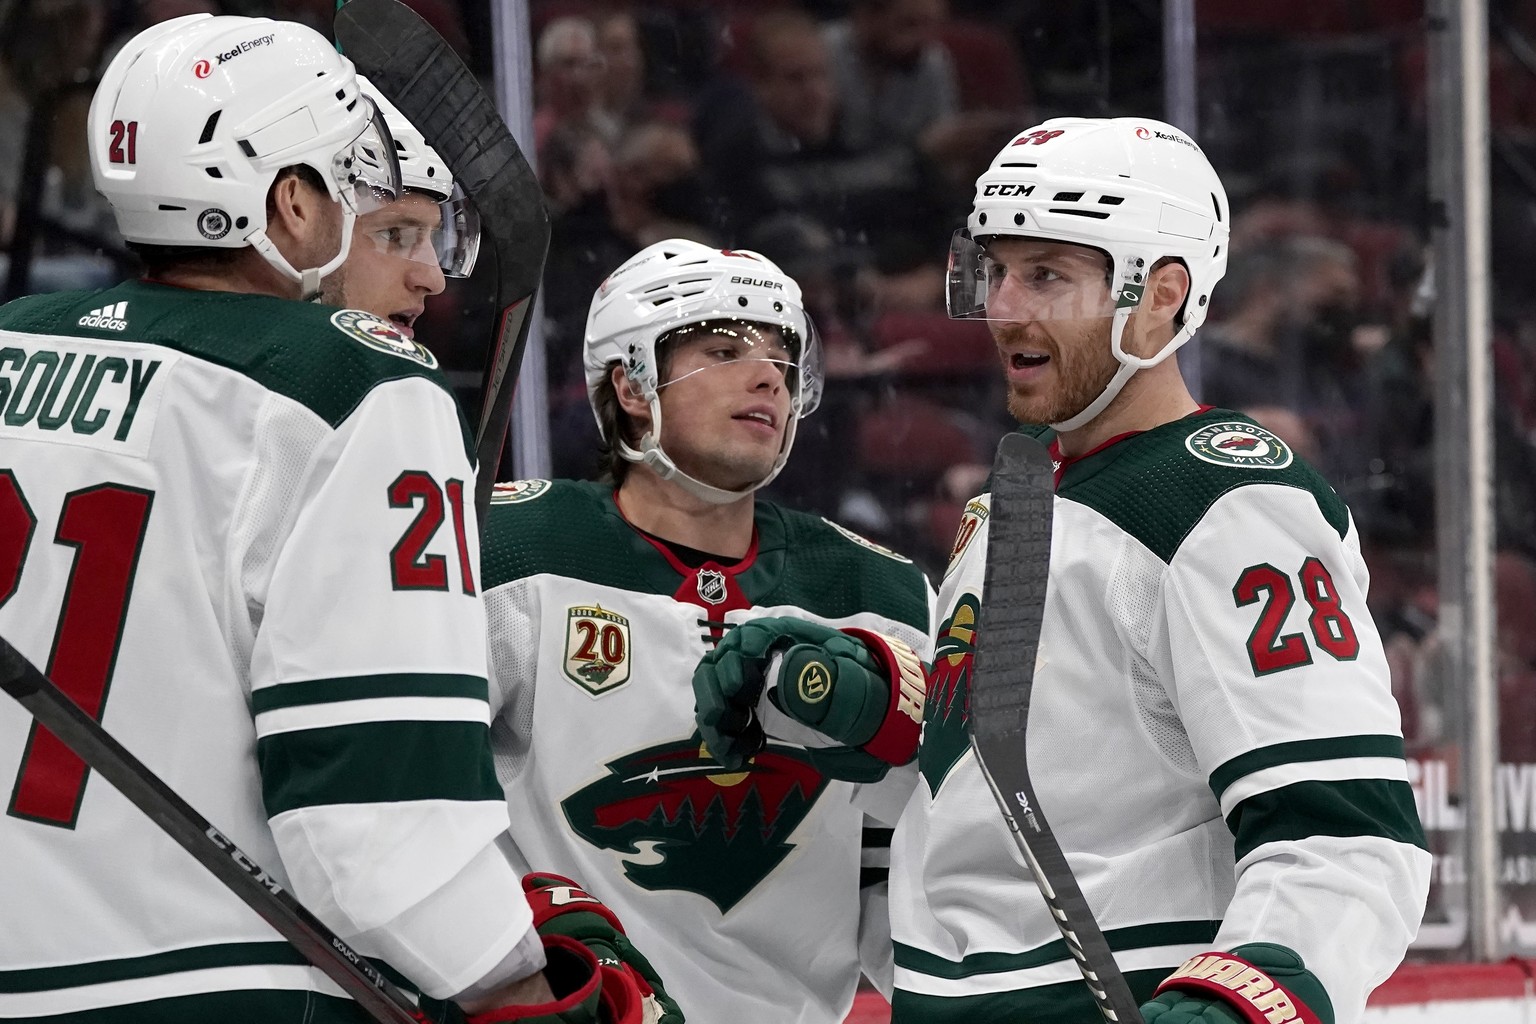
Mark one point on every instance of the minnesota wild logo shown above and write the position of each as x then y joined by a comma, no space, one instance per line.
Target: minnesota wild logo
1239,444
947,713
678,820
596,648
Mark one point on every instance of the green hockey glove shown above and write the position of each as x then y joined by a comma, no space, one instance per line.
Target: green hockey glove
561,907
859,689
1256,983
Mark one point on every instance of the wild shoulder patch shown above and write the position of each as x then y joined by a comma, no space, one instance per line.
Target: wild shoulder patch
866,542
1239,444
382,336
514,492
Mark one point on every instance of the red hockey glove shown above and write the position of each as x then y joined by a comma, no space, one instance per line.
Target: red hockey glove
561,908
1256,983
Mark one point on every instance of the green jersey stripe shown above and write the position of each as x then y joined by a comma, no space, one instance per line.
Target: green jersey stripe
1047,1004
1329,748
1142,936
400,684
241,1006
376,762
197,958
1357,807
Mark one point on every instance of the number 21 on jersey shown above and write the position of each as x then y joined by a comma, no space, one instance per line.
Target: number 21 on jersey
105,526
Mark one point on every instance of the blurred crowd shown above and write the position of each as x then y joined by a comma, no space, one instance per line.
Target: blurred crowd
841,137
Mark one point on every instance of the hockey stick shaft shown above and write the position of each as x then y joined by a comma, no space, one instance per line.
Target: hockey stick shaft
208,846
1008,641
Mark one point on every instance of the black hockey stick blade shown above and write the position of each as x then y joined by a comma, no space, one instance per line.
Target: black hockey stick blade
211,848
419,72
1008,640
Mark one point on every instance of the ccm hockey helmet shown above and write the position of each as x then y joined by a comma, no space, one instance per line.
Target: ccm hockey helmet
456,242
676,283
195,117
1136,189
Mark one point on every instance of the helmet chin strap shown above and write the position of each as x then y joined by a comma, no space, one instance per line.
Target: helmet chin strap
652,455
1129,364
309,280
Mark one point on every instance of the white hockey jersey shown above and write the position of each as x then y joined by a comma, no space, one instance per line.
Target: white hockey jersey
1212,737
743,889
239,532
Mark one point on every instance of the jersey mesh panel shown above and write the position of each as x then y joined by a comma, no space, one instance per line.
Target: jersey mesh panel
1133,598
286,438
514,662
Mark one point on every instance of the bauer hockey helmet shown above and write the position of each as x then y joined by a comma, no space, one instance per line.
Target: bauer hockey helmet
456,242
673,284
195,117
1136,189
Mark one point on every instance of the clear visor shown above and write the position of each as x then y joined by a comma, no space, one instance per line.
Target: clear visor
726,341
443,234
369,164
1017,280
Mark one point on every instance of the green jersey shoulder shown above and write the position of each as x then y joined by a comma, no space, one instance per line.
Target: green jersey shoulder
1157,485
328,359
573,529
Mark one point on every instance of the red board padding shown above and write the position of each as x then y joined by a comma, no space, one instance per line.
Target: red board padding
1411,983
1434,983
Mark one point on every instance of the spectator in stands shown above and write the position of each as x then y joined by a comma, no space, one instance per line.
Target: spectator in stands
894,76
571,70
623,83
1295,338
788,151
897,81
48,55
655,190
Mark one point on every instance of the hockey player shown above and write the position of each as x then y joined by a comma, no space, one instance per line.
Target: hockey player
743,887
1211,733
235,530
403,250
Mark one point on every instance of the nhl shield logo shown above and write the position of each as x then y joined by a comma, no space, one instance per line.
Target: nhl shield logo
596,649
1239,444
712,585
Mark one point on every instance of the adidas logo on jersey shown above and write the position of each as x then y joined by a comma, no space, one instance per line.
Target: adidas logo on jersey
107,318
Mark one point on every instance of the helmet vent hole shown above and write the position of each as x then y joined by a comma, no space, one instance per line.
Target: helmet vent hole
1095,214
741,300
661,301
1215,203
213,172
1216,253
169,208
341,94
349,105
241,222
431,171
1067,197
1111,200
1018,218
208,126
1018,165
982,218
246,148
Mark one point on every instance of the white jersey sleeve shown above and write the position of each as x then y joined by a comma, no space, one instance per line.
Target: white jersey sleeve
368,686
1279,677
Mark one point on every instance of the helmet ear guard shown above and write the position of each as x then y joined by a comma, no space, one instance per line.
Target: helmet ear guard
1136,189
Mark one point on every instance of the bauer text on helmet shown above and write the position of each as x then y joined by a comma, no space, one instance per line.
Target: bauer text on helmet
1135,189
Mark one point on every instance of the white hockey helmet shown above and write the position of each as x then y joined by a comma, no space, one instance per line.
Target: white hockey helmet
676,283
1136,189
195,117
456,243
